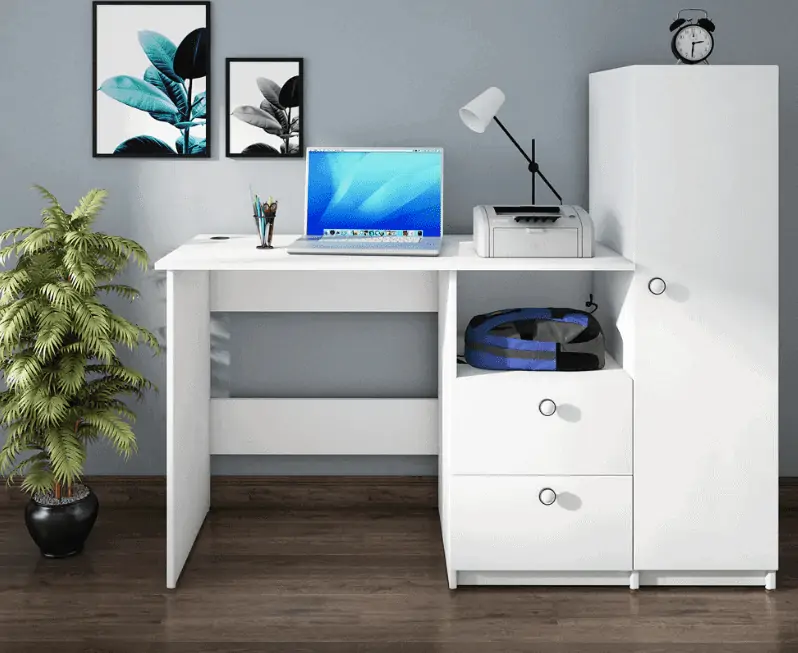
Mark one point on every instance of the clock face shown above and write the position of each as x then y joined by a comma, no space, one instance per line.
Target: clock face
692,44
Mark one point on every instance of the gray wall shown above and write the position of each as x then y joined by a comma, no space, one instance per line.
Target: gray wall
377,73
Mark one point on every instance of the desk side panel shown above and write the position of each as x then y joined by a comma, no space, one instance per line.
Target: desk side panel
188,388
447,375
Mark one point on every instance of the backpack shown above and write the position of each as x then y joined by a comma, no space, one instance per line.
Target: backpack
560,339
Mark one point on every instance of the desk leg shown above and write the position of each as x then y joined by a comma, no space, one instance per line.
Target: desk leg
188,391
447,373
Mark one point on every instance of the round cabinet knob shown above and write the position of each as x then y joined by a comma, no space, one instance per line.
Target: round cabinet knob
547,496
547,407
657,286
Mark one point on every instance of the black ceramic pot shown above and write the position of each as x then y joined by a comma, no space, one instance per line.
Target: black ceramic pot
61,531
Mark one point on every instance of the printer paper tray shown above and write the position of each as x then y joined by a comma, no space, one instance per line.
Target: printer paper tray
536,242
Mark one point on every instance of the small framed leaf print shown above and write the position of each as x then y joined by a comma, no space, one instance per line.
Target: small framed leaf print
152,79
265,109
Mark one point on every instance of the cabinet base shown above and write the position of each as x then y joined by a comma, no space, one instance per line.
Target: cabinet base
633,579
766,579
544,578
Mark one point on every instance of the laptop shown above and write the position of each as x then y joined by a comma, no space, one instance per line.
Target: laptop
383,201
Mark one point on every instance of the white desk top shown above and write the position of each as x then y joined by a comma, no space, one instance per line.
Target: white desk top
240,253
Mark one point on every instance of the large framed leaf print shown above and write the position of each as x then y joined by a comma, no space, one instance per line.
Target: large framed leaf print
152,79
265,115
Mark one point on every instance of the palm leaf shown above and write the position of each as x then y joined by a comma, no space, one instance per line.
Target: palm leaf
58,344
89,206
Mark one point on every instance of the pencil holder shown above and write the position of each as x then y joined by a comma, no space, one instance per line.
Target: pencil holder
265,226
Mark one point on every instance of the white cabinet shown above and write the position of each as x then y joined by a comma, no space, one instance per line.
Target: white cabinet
661,469
684,181
537,473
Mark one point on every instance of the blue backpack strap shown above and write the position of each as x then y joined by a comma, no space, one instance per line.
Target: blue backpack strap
500,317
574,317
481,332
486,350
489,351
488,361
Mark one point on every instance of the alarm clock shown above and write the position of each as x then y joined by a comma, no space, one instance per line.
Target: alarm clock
692,40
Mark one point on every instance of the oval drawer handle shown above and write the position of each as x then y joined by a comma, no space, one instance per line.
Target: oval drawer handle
657,286
547,407
547,496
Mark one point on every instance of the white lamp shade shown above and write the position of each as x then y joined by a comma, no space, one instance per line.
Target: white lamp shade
477,114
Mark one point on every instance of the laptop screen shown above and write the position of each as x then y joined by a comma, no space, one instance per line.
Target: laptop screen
375,192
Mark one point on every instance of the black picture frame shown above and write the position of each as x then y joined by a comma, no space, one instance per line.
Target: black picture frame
208,114
296,145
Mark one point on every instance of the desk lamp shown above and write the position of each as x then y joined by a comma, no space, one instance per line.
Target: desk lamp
477,114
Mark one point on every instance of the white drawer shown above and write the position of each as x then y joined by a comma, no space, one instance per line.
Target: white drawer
498,523
500,426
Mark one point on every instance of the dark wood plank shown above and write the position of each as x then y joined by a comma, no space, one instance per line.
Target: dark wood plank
396,647
122,491
265,492
366,579
314,492
300,493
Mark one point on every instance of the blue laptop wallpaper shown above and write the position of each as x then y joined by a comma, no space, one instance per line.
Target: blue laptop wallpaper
390,190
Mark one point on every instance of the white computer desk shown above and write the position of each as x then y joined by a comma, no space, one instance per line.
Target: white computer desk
207,275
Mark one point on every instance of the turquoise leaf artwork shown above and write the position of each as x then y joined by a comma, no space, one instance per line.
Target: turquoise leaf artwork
165,92
144,145
175,91
199,106
138,94
191,57
195,145
161,53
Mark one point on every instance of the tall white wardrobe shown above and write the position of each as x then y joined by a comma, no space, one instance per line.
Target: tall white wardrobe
684,181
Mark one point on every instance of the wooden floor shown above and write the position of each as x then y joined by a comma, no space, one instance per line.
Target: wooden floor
336,581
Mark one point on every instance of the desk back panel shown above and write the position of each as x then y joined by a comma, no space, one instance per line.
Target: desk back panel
384,427
306,291
331,355
484,292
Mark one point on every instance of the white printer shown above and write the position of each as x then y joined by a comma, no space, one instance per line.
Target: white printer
533,232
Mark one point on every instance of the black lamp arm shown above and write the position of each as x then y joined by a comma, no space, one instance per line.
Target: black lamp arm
551,188
515,142
534,168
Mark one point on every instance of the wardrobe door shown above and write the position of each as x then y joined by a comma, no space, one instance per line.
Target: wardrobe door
706,303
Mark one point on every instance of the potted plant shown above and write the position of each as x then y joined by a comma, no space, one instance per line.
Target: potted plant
65,383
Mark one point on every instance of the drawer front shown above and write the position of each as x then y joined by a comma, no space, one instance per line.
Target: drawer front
535,242
503,425
500,523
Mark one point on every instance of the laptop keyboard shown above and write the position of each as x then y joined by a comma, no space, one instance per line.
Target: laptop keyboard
371,240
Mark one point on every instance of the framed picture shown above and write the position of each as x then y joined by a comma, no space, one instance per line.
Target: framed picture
265,110
152,79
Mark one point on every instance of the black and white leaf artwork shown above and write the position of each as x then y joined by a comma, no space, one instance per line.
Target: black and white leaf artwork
291,93
264,100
